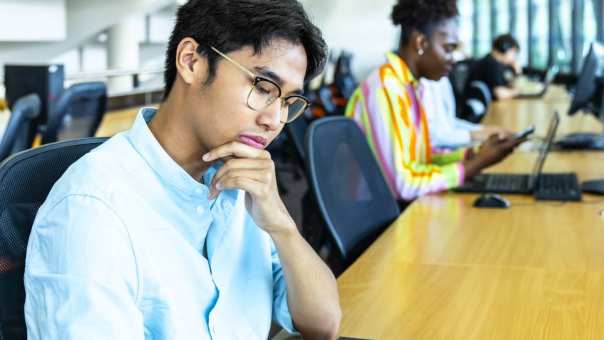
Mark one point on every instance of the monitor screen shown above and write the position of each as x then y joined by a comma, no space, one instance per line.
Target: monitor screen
587,85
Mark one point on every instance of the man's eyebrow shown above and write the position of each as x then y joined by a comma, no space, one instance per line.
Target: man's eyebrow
266,72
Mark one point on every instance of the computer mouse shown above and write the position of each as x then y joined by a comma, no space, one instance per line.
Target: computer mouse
491,201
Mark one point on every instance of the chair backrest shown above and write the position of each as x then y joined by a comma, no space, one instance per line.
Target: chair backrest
348,184
459,75
296,131
17,135
25,181
78,113
477,101
344,79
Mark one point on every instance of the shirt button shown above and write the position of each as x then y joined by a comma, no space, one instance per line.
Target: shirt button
200,209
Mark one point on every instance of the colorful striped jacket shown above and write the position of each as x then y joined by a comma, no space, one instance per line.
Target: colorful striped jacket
387,108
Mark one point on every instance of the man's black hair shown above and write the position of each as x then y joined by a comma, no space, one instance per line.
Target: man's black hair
504,43
422,15
230,25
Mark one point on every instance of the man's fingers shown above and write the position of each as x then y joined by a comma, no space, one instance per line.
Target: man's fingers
237,150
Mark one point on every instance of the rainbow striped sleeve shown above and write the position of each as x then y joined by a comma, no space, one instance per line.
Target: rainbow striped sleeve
399,139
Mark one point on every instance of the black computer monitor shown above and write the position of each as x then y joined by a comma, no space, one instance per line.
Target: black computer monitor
589,85
589,98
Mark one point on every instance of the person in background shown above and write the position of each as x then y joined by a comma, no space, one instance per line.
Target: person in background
175,229
446,130
389,111
499,68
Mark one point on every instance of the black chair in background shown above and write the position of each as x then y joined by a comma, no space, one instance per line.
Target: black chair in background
77,114
344,79
17,136
352,195
458,78
296,131
25,181
477,100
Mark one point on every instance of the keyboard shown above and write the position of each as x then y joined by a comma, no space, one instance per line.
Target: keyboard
558,187
507,183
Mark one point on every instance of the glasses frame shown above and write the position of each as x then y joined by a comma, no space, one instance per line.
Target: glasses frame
257,79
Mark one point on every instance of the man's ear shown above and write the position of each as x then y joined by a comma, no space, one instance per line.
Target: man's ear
189,63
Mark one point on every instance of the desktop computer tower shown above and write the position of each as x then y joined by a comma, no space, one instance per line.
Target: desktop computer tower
44,80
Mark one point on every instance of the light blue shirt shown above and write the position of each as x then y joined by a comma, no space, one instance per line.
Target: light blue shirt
117,252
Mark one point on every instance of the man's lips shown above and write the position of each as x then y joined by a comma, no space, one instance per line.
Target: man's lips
257,142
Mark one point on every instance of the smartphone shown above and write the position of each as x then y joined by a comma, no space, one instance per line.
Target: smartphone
525,133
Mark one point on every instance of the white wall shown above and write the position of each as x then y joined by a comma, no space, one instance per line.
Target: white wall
32,20
361,27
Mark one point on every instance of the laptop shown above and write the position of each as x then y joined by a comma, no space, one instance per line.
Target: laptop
539,93
555,187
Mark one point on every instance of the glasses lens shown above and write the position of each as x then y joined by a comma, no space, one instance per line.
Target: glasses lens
294,107
263,94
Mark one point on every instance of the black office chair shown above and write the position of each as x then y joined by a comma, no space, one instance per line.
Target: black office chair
458,78
17,136
296,131
353,197
476,103
77,114
344,79
25,180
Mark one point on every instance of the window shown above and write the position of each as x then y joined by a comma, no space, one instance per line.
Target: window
520,27
561,27
501,16
466,12
590,29
483,31
539,40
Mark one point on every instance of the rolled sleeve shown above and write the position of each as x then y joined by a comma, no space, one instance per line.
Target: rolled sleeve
81,274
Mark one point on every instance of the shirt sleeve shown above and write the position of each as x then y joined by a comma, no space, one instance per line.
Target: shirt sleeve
281,313
439,105
80,275
377,111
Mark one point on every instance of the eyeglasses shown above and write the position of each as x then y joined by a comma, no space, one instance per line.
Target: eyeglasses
265,92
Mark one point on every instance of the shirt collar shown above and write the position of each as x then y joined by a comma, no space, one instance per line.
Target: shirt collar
169,172
402,71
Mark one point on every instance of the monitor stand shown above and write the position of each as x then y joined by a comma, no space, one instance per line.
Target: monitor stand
593,187
582,141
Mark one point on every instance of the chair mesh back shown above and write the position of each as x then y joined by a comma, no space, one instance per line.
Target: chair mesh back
353,196
297,131
25,180
78,113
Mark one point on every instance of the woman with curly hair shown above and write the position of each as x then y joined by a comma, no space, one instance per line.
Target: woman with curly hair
388,108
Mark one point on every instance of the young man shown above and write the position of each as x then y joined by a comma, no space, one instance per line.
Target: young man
495,69
175,229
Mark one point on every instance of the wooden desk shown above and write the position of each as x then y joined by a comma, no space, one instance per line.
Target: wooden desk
117,121
445,270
